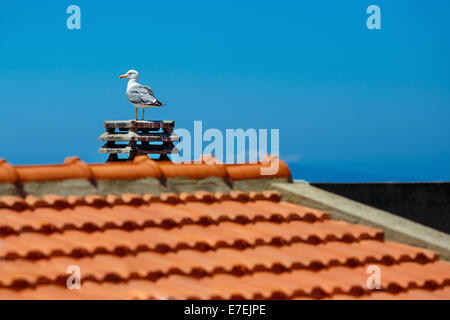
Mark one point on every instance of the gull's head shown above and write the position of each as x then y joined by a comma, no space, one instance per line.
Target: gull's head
131,74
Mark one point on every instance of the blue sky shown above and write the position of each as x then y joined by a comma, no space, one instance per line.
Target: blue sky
352,104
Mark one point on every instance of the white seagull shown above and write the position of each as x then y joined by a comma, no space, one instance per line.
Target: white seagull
139,95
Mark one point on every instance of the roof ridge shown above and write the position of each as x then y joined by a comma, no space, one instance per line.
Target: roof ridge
140,167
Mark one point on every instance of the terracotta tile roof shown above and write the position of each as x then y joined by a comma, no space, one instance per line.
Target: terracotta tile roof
141,167
195,246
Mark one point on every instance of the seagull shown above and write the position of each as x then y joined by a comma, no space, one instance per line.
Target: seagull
139,95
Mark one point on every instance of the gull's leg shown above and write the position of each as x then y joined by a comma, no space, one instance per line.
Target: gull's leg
136,113
143,109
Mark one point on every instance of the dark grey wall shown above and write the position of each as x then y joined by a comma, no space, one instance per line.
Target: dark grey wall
425,203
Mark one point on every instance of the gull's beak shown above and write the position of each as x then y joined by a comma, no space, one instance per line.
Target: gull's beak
123,76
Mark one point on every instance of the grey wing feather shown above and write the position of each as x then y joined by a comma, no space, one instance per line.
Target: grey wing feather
149,90
139,94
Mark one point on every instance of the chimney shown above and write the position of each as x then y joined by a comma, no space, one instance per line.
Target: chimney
139,137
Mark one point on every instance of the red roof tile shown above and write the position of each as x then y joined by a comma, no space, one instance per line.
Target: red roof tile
336,282
193,171
200,246
7,172
140,167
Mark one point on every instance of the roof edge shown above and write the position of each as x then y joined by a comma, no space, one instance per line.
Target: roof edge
395,228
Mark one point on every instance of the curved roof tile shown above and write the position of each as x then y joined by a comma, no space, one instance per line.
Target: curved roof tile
211,245
140,167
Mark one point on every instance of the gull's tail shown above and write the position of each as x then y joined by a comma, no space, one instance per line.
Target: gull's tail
159,103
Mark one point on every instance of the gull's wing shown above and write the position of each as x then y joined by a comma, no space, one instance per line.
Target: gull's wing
149,89
140,94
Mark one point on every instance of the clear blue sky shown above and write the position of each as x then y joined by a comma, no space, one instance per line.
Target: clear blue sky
352,104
